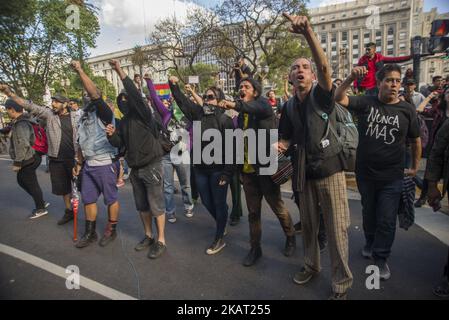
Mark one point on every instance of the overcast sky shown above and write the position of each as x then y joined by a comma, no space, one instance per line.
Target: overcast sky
125,23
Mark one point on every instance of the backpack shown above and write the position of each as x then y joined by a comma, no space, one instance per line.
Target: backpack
347,135
40,139
344,130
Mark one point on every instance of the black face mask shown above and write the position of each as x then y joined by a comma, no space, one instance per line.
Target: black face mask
208,109
122,105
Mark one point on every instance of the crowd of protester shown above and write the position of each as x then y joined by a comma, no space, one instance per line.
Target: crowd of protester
85,140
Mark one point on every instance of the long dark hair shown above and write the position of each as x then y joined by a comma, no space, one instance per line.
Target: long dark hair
219,94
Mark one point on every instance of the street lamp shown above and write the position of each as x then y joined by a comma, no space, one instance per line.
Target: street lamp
343,55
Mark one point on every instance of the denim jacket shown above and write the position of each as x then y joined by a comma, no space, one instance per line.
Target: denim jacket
92,138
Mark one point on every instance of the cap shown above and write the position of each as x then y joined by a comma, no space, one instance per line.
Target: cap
60,98
11,104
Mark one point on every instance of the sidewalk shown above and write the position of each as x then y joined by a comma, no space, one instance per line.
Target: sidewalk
436,223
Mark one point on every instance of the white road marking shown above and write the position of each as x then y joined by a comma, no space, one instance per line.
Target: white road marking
61,272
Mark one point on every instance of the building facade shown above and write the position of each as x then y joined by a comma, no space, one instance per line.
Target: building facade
344,29
100,66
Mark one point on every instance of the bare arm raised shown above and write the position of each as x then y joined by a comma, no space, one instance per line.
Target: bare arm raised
301,25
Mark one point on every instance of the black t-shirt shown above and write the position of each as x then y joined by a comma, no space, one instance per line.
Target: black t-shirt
66,148
383,132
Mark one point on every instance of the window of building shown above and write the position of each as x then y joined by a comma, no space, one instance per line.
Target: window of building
402,35
322,19
402,46
390,52
323,37
378,34
403,3
390,31
355,36
343,24
333,25
343,15
323,27
333,37
344,36
378,43
354,13
355,46
390,6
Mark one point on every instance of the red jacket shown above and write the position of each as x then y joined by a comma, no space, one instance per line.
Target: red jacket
373,65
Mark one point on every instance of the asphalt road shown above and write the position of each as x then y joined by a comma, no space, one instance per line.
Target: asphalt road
185,271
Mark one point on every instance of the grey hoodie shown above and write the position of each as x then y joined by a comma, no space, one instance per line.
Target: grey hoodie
22,140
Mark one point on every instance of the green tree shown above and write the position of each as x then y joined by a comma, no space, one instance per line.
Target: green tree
70,84
139,58
206,73
36,42
279,56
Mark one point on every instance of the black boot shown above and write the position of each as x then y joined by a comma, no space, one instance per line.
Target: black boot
110,234
290,246
254,254
89,235
68,216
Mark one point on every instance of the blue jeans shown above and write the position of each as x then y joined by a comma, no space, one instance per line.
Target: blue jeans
380,202
213,196
183,173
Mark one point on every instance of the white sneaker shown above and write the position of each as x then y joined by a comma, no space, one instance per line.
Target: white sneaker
189,213
171,218
38,213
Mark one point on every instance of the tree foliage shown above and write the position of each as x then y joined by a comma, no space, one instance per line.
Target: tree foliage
207,75
36,42
254,29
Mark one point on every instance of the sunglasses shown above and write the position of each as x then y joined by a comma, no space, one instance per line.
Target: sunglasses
209,97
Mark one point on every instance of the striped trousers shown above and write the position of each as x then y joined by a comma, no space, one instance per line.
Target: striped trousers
330,194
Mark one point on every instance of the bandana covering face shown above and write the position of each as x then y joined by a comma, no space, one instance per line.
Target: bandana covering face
208,109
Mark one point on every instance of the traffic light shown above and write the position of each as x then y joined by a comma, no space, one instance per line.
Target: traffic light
439,36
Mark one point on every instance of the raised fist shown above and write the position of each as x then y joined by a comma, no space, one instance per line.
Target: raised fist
75,64
114,64
299,24
359,72
188,88
173,79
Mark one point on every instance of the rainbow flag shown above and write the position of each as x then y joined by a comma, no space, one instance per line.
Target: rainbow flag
162,90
